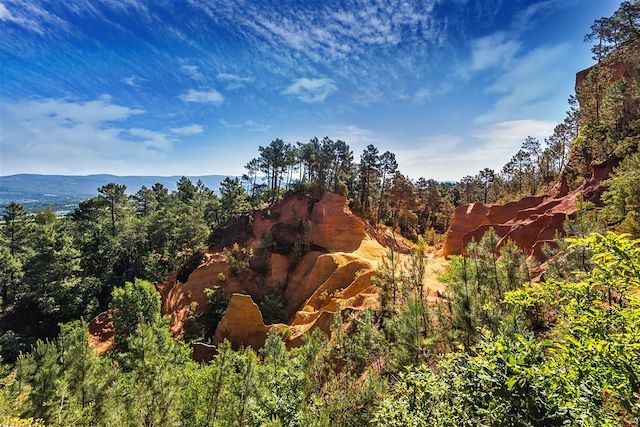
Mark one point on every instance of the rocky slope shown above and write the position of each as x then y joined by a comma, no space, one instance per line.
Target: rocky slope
530,222
332,272
315,253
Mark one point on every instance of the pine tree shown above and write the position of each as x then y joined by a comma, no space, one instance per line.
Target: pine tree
17,230
11,274
388,279
41,371
115,198
152,361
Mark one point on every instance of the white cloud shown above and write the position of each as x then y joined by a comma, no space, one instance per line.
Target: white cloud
423,94
357,137
63,136
311,90
249,125
31,16
330,31
188,130
211,96
504,138
192,71
450,157
133,80
530,85
95,113
494,50
5,15
234,78
433,157
234,81
152,139
524,18
357,40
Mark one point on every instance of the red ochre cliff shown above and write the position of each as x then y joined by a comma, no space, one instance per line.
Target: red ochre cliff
530,222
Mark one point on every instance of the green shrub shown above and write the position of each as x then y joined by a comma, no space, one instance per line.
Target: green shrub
135,302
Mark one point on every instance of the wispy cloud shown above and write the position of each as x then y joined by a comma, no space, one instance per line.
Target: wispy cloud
500,48
450,156
64,136
375,45
210,96
358,137
333,30
5,15
504,138
152,139
423,94
530,83
31,16
432,157
188,130
533,12
234,81
311,90
497,49
133,80
249,125
192,71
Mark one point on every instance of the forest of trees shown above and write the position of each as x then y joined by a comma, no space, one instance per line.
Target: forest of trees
494,350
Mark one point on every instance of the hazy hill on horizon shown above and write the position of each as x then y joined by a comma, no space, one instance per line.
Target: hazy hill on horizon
63,192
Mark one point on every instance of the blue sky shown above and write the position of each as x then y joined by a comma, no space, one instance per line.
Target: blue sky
193,87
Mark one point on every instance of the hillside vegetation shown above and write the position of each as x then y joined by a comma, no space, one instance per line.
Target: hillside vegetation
493,347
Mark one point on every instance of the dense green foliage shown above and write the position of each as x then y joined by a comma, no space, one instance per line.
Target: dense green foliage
623,195
583,371
56,269
132,304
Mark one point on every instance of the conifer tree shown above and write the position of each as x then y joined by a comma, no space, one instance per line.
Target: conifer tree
17,230
41,371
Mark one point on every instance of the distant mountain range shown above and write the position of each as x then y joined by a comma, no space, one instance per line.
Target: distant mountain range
63,192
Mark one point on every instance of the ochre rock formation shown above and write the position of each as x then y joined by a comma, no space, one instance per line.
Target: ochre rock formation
530,222
242,323
333,273
101,332
177,298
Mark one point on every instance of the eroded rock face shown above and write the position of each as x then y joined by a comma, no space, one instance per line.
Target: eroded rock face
178,298
242,323
335,228
530,222
101,332
333,274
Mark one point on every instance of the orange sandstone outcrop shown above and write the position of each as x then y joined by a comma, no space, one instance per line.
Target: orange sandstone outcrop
177,298
101,332
530,222
334,274
242,323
